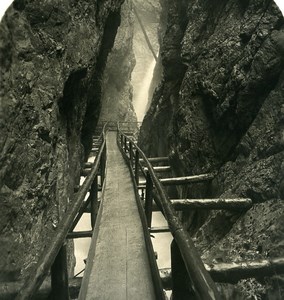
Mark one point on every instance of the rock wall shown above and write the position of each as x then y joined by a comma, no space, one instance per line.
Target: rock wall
219,108
52,56
117,90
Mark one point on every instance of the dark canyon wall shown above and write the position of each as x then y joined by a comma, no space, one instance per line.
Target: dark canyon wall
52,56
117,90
219,108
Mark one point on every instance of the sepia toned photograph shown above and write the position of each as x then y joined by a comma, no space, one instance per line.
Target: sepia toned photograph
141,150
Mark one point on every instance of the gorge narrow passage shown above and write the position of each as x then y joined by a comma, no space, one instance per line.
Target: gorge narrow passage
118,266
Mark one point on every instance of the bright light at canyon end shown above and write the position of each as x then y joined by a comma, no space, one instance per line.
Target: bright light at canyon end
3,7
280,4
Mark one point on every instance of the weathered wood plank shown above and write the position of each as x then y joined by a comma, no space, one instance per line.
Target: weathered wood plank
219,203
80,234
161,229
160,169
187,179
233,272
9,290
156,159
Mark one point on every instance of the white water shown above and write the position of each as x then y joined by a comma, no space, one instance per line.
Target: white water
140,99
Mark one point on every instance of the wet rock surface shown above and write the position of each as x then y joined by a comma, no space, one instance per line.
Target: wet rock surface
219,108
51,58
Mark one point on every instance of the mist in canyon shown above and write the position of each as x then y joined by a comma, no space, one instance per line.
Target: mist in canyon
212,102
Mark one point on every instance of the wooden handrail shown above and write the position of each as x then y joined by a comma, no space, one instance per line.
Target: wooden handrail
201,280
49,254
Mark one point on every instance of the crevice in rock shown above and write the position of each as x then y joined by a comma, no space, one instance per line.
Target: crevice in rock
95,86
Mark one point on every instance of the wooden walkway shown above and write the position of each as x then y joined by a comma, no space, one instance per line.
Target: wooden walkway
118,265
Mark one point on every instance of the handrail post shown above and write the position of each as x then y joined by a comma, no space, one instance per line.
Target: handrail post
59,276
137,166
149,199
180,278
125,145
130,154
94,201
103,165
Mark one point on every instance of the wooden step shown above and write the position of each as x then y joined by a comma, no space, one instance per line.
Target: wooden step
219,203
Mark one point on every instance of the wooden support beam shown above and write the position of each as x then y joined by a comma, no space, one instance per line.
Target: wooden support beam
187,179
149,199
85,172
160,169
221,272
156,159
9,290
88,165
233,272
79,234
236,203
59,276
76,188
159,229
136,167
94,201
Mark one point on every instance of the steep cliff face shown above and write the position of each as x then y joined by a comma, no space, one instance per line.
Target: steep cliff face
219,108
52,57
117,90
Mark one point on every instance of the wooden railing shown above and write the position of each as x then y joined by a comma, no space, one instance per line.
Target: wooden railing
54,258
201,281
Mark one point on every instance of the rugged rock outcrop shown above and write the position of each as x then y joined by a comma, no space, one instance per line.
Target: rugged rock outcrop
117,90
219,108
52,57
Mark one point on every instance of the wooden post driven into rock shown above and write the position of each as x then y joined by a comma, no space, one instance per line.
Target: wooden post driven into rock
180,278
94,201
137,167
130,154
59,276
125,144
149,199
103,166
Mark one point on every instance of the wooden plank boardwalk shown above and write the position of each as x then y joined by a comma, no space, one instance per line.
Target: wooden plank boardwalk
118,265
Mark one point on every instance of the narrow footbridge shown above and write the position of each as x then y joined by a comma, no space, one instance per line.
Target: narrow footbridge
122,188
